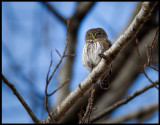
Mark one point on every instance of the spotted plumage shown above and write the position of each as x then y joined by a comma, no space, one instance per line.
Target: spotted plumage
96,42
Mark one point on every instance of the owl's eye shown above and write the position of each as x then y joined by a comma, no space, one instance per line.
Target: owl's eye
92,36
97,34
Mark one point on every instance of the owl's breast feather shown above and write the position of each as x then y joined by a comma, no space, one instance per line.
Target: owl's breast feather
97,49
90,54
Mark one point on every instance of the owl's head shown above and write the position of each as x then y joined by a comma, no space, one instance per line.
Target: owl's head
93,34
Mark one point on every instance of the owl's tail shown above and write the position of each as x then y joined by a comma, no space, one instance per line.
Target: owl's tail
104,83
105,80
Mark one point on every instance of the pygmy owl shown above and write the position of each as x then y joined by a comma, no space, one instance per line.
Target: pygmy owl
96,42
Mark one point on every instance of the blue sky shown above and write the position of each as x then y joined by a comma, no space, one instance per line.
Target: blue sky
28,28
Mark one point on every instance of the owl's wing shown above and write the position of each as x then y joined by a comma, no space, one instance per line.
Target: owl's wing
109,42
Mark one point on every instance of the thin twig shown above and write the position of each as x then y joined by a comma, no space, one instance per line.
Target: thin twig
149,55
59,87
67,55
63,52
48,79
153,68
122,102
144,66
58,53
46,94
141,65
81,114
25,105
154,39
89,109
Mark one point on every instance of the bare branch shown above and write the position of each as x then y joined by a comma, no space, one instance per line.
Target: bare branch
81,114
143,112
147,75
65,49
25,105
141,65
148,56
89,109
49,78
55,12
46,94
67,55
153,68
58,53
59,87
122,102
154,39
103,66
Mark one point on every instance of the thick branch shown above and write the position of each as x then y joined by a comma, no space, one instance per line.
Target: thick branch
25,105
104,65
122,102
135,26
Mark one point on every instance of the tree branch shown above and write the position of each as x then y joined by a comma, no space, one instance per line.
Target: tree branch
65,49
124,101
25,105
55,12
141,113
48,79
89,109
143,66
135,26
104,65
149,53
